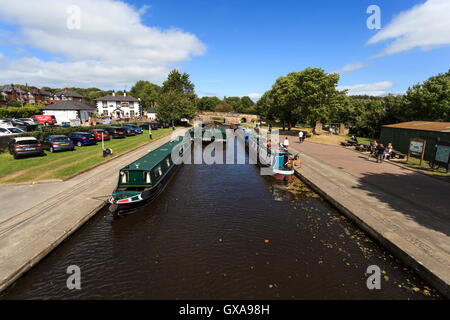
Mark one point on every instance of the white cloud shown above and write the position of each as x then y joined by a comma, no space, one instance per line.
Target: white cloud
371,89
426,26
113,48
254,96
351,67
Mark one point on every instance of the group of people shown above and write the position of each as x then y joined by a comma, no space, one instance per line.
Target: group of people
379,151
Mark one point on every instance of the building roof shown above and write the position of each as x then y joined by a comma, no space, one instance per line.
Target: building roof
422,125
9,88
119,98
70,105
68,93
40,92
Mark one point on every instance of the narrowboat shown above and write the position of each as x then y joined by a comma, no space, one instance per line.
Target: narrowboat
209,134
143,180
277,158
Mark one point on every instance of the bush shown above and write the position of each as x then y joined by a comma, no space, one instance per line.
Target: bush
20,112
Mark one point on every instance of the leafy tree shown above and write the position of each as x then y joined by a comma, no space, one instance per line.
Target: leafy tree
208,103
235,103
148,92
430,100
224,107
178,82
174,105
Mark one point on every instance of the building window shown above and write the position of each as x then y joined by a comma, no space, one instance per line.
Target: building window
104,104
131,113
105,112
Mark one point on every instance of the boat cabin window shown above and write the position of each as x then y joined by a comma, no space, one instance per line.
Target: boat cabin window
123,176
158,172
148,179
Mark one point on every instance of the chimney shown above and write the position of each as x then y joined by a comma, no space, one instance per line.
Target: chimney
113,93
124,93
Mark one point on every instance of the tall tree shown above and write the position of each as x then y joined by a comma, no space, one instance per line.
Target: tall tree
173,106
178,82
208,103
147,92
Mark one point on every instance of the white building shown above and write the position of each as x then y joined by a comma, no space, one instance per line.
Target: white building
151,114
67,111
118,107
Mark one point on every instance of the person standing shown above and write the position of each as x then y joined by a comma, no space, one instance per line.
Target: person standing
286,143
300,136
388,151
380,153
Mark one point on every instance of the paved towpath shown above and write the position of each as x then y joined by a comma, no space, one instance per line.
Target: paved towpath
406,211
34,219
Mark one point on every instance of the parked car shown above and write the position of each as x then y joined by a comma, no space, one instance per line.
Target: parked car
134,127
82,138
45,119
163,124
98,133
25,146
116,132
147,125
8,130
129,131
29,121
58,143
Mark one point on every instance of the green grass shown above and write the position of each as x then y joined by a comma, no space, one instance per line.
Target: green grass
61,165
425,167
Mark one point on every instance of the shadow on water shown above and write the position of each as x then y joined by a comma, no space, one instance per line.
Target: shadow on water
222,232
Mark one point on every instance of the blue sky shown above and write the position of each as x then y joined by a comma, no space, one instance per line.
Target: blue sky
241,47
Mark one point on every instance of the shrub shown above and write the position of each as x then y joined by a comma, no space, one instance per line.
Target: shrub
20,112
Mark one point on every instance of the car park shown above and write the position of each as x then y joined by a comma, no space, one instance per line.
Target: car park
58,143
82,138
8,130
116,132
25,146
100,134
134,127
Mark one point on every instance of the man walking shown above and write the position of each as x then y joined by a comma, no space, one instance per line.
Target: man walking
380,153
300,136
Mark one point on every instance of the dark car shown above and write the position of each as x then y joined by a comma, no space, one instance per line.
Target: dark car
129,131
116,132
151,125
82,138
25,146
134,127
58,143
163,124
100,134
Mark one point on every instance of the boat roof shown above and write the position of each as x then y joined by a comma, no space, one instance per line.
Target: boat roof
153,158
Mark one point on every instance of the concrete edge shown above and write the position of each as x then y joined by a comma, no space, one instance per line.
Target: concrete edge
419,268
41,255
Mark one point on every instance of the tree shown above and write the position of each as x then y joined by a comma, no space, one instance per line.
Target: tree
429,101
224,107
235,103
173,106
208,103
148,93
248,106
178,82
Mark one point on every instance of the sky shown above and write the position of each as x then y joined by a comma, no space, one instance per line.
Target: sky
229,47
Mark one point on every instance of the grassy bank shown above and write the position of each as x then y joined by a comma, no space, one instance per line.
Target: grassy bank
61,165
425,168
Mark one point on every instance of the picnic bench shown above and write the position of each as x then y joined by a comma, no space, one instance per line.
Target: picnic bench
395,154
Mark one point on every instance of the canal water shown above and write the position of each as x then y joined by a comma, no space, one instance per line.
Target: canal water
222,232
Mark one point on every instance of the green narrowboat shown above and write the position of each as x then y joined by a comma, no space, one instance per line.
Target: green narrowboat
144,179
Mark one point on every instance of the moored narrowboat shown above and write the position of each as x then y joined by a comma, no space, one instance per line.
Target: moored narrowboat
144,179
277,158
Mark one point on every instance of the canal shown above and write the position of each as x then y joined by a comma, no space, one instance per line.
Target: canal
222,232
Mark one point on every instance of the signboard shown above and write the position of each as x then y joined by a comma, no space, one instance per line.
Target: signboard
442,154
417,147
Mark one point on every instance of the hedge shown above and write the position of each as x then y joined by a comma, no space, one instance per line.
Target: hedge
21,112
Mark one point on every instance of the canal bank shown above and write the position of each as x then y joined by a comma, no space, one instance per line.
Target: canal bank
406,212
222,232
36,218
